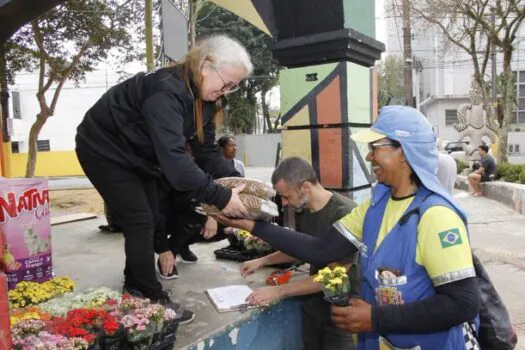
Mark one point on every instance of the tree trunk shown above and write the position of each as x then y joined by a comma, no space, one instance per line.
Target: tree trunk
507,106
4,94
41,119
266,110
195,7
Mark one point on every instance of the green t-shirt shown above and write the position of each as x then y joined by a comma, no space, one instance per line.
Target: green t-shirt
317,224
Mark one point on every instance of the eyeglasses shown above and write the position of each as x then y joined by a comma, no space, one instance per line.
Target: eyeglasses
227,88
372,146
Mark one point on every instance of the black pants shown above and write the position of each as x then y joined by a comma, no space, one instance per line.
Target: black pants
134,201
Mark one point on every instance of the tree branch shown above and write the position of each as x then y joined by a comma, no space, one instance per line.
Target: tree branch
66,74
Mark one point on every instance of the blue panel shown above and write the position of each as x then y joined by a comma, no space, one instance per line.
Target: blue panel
279,327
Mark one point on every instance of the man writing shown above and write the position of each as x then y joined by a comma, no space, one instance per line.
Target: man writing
484,172
316,210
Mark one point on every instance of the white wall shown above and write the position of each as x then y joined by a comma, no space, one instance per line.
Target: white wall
73,102
257,150
435,112
517,138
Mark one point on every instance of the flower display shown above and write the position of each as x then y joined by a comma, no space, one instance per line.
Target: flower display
97,318
335,284
32,293
92,298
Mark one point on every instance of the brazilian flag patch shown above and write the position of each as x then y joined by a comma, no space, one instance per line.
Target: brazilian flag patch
450,238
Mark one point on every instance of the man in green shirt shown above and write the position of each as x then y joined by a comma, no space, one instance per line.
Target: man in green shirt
296,182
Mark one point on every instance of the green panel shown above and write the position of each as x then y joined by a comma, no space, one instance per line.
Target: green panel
294,85
360,15
358,92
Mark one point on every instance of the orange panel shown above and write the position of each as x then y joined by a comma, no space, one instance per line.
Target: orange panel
329,103
330,140
331,157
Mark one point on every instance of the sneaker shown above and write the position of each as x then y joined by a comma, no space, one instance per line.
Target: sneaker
187,256
173,275
183,316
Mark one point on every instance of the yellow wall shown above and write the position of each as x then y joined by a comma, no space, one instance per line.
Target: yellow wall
55,163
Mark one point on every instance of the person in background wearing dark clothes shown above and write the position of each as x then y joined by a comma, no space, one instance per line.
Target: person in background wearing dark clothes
228,146
135,135
418,284
484,172
181,224
316,210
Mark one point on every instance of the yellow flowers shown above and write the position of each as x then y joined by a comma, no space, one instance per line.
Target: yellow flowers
31,293
333,280
28,313
242,234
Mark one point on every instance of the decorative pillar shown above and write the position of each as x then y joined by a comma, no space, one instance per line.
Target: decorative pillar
328,90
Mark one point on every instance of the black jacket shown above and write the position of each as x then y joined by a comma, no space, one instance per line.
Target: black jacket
143,124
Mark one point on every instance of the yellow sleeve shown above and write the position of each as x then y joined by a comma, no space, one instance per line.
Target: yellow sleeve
443,246
351,225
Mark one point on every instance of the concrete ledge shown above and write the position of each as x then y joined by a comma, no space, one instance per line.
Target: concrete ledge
510,194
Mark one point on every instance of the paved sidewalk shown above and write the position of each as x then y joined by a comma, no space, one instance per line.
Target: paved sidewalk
498,237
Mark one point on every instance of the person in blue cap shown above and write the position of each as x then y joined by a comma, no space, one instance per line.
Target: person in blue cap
418,285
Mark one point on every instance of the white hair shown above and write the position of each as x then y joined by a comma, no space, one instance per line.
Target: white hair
224,50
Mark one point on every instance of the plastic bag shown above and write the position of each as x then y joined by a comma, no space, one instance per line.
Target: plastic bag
495,329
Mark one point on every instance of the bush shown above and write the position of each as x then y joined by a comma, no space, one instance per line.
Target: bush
460,165
511,172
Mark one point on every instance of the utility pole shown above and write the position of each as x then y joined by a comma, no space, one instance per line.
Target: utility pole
493,62
148,21
407,54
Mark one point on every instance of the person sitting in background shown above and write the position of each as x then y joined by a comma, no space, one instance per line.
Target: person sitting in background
229,150
484,173
317,209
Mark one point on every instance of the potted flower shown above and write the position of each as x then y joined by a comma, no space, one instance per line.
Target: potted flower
88,324
335,285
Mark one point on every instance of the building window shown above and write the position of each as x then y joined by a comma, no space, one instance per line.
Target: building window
514,149
520,113
43,146
15,95
451,117
15,147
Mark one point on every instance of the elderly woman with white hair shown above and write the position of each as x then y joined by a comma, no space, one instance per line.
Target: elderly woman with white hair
135,135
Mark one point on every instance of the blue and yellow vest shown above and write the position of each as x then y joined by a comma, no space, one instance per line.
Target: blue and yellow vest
397,252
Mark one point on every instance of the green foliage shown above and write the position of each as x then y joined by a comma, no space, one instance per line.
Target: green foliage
243,103
390,75
510,172
460,166
92,28
67,42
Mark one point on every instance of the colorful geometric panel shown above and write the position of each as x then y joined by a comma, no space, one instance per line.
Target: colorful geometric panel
317,126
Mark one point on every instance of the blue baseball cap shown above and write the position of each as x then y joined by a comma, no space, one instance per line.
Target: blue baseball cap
414,132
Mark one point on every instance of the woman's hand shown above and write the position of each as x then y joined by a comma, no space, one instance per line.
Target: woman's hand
210,228
167,262
243,224
235,208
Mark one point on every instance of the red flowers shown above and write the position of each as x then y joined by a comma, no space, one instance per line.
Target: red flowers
86,323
